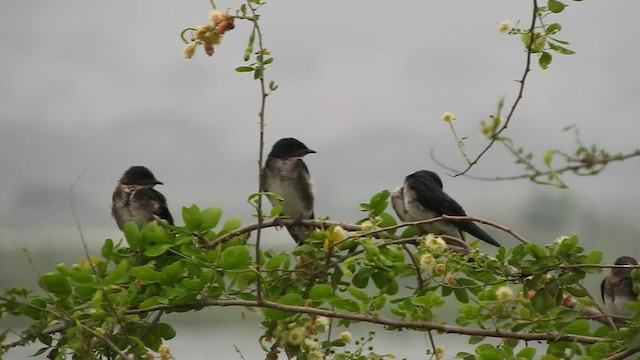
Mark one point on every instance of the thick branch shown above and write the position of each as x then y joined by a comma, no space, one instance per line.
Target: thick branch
399,324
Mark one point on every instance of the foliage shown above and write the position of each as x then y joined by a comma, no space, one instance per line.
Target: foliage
113,304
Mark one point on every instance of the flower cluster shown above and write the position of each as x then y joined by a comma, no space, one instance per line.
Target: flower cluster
301,336
210,34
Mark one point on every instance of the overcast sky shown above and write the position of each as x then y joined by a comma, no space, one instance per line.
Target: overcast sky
97,87
94,87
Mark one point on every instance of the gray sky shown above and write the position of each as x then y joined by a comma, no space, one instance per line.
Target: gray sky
96,87
99,87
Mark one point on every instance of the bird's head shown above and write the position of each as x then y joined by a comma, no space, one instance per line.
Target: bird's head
139,175
287,148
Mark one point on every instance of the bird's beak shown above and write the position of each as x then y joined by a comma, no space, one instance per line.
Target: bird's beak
309,151
156,182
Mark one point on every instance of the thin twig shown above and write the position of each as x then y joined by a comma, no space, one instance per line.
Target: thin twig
522,81
263,101
537,174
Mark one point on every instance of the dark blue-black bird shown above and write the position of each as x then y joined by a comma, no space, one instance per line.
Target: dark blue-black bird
421,198
617,288
286,174
135,199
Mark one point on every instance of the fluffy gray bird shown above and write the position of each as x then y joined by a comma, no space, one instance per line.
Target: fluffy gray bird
421,198
286,174
617,288
135,199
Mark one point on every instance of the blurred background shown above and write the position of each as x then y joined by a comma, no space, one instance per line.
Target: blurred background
89,89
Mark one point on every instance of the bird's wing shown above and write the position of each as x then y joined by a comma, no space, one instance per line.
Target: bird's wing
430,196
602,284
163,210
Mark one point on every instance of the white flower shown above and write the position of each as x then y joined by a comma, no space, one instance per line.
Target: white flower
188,51
296,336
346,337
504,26
322,321
435,244
310,344
504,293
447,116
427,261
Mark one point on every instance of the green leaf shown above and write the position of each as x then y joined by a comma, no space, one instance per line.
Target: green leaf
594,257
346,304
157,250
277,261
235,258
119,275
411,231
527,353
359,295
555,6
378,302
476,339
245,68
146,274
80,277
321,292
548,155
560,49
490,354
232,224
536,251
107,249
288,299
552,29
210,218
379,202
544,61
361,278
153,301
55,283
132,235
578,327
461,295
163,330
387,220
249,49
192,217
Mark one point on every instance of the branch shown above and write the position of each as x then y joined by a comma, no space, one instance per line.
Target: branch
399,324
353,227
537,174
522,81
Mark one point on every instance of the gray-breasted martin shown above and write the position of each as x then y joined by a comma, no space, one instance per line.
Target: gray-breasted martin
135,199
287,175
617,288
421,198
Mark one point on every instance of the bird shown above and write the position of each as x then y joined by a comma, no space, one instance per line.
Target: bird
286,174
617,288
421,197
135,199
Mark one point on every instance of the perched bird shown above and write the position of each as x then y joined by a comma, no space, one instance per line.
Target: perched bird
287,175
134,199
617,288
421,197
